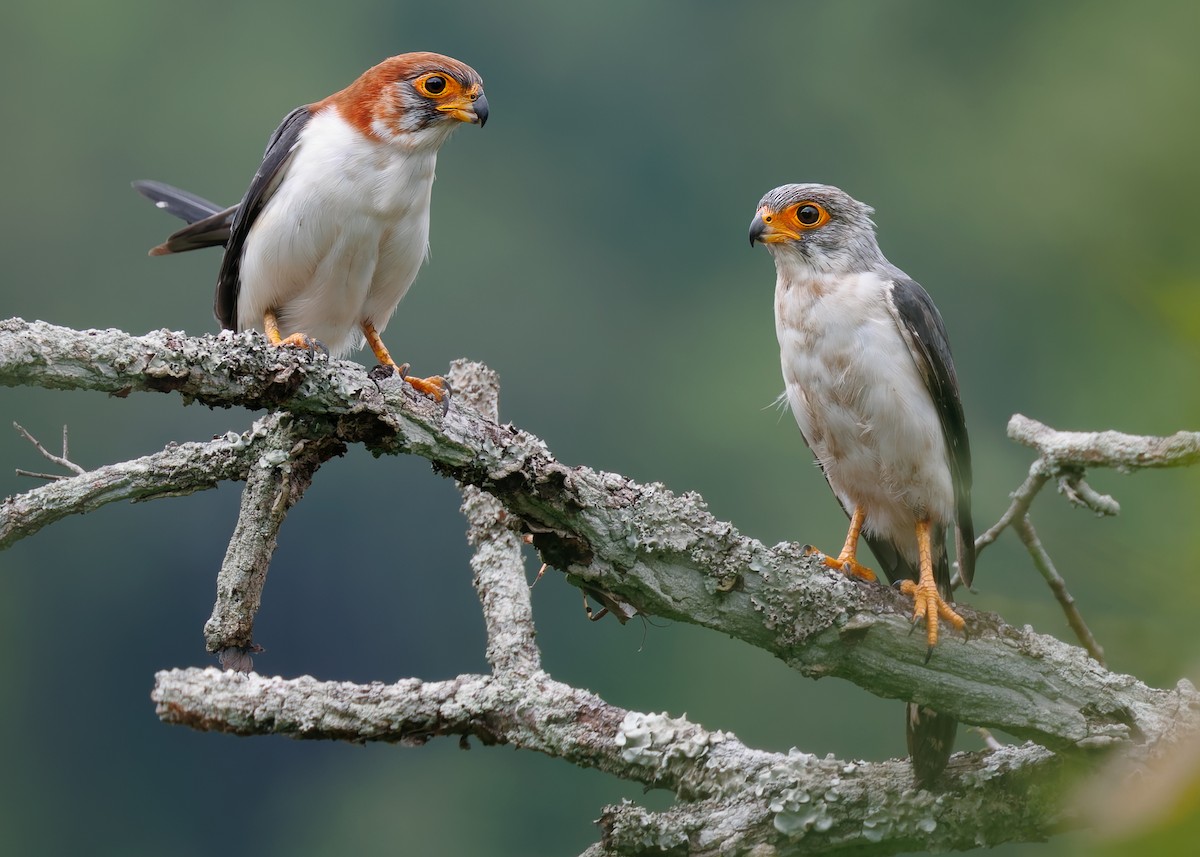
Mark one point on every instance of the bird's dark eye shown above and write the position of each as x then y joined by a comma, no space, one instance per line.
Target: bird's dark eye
810,214
434,84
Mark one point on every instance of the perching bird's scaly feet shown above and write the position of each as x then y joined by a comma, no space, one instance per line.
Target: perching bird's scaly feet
294,340
847,561
928,603
435,385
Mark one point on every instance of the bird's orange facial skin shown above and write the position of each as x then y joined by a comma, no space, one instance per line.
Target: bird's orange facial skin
791,223
451,96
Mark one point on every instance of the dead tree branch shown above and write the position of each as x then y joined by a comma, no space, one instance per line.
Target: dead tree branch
1065,456
663,554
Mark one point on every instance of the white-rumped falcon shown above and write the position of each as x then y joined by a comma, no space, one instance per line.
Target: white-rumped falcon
869,378
335,224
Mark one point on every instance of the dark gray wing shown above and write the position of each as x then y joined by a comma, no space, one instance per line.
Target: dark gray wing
266,179
921,324
208,223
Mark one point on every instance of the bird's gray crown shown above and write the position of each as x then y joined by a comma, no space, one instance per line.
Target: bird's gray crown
836,201
846,243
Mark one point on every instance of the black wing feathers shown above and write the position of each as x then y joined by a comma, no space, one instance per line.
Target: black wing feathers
266,179
922,325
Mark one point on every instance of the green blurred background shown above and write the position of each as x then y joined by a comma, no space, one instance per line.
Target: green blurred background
1033,164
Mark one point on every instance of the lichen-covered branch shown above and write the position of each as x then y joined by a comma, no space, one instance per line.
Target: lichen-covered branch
733,797
275,481
180,469
499,574
1105,448
663,553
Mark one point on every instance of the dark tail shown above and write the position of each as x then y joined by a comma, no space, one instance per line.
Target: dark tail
930,735
930,741
208,223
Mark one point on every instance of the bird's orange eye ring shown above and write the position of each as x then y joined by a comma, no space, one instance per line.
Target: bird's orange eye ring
811,214
433,85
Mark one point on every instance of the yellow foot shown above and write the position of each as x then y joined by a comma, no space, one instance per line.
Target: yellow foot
929,605
847,565
300,340
435,386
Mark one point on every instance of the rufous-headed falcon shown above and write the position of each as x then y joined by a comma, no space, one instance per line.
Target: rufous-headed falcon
335,224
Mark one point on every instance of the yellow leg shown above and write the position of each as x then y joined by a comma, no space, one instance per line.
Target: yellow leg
928,603
297,340
847,560
434,386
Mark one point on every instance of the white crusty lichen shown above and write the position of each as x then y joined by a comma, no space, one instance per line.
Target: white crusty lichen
804,792
795,807
654,740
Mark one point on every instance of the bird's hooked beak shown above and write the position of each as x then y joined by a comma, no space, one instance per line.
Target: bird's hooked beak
764,228
471,106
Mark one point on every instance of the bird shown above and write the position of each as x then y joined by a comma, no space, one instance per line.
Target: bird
870,380
335,224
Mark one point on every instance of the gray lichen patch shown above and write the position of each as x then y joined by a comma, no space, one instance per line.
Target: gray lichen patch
657,740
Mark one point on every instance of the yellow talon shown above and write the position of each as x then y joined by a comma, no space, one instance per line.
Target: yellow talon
928,603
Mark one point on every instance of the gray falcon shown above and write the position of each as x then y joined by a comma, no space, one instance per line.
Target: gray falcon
870,380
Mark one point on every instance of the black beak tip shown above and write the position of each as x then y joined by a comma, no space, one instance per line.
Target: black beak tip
757,228
481,110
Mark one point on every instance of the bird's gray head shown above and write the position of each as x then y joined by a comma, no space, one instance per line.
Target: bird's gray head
819,226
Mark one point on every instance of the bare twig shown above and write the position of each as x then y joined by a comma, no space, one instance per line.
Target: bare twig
61,460
1065,456
38,474
1043,563
1022,499
1076,489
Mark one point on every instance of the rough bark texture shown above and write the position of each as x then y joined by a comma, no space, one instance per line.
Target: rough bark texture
659,552
275,482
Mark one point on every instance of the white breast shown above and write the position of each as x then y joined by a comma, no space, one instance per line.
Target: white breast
341,239
861,404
